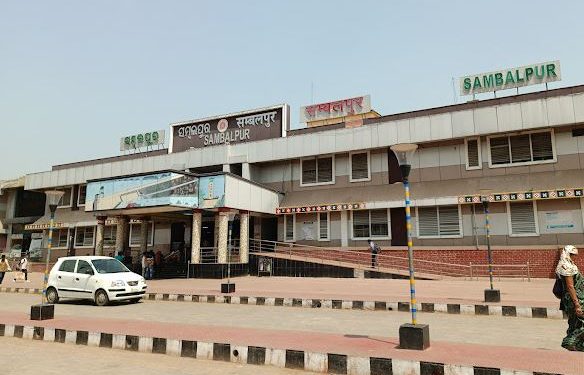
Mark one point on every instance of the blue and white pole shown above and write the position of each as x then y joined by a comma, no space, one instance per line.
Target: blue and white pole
413,308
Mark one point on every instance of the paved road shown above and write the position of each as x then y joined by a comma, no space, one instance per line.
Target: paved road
513,292
490,330
23,357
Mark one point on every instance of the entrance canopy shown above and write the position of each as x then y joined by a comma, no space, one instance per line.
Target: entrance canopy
168,191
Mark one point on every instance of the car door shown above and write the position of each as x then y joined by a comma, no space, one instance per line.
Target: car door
81,280
65,276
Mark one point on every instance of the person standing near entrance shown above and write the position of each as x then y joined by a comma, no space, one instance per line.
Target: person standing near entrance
572,298
374,251
23,265
4,267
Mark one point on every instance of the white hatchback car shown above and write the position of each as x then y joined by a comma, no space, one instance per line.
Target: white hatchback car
97,278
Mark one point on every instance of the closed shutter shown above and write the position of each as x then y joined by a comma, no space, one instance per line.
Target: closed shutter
541,144
323,226
361,224
500,150
522,218
325,169
472,153
309,171
359,166
520,148
379,223
449,221
289,227
428,222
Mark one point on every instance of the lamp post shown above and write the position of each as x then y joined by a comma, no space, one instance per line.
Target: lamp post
229,287
491,295
411,335
44,310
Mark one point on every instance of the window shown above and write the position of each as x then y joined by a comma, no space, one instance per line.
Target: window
81,195
439,222
289,228
84,268
473,154
324,226
522,219
84,236
522,149
317,171
370,223
109,235
68,266
360,170
61,238
66,199
136,234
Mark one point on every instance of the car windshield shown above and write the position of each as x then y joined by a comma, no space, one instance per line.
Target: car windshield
109,266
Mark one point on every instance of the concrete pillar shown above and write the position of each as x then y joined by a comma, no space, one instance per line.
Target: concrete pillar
226,168
99,235
196,237
222,234
244,237
144,234
344,228
245,171
122,235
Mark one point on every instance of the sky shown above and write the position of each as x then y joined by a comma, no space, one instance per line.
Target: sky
76,76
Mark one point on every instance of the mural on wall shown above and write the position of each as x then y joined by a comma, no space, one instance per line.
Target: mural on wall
212,191
160,189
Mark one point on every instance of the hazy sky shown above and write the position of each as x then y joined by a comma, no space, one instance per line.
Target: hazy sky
75,76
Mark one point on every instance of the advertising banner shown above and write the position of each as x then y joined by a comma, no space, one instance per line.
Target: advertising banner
160,189
212,191
229,129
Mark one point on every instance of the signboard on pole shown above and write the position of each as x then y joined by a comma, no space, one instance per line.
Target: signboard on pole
527,75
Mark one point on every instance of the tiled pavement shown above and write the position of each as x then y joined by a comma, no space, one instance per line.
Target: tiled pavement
319,352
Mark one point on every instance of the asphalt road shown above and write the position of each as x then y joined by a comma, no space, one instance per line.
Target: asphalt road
489,330
22,357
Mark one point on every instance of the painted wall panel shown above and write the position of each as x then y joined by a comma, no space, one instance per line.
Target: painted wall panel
463,123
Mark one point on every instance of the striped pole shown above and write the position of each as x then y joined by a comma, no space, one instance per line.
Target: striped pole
49,247
490,255
410,253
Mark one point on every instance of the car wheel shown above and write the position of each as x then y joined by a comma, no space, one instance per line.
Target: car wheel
52,295
101,298
135,300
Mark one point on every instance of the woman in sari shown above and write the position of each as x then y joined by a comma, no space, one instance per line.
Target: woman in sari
573,299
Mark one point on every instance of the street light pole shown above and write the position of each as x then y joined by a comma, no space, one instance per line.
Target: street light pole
44,310
229,287
411,336
491,295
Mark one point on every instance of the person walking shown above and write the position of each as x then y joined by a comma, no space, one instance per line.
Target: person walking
374,251
572,299
23,265
4,267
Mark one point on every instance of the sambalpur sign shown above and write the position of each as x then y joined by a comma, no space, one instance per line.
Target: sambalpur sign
510,78
234,128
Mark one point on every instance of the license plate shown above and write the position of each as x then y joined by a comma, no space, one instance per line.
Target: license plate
135,289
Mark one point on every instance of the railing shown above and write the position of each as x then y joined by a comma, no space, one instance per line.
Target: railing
210,255
362,259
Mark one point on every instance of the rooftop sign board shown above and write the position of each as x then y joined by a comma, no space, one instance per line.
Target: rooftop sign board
336,109
511,78
254,125
133,142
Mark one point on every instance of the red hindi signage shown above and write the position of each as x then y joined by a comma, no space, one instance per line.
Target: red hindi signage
339,108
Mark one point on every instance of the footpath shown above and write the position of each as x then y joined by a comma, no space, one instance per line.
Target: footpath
312,351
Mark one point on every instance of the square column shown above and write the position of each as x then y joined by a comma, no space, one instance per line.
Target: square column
99,235
122,233
223,223
344,228
137,254
196,237
244,237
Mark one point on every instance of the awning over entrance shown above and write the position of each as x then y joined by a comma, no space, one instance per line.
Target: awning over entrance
169,191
